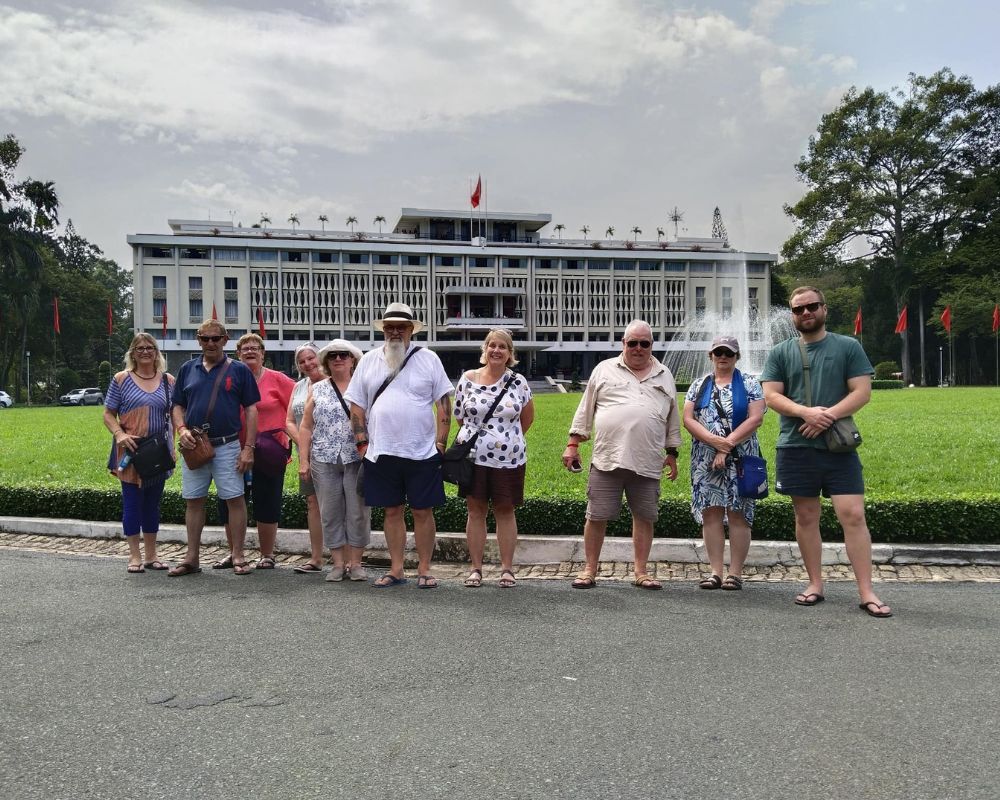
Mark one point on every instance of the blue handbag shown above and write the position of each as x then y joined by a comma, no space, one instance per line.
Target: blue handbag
751,477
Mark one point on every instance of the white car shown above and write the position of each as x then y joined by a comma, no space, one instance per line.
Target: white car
82,397
5,400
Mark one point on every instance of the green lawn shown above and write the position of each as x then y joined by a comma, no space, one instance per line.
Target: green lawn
918,443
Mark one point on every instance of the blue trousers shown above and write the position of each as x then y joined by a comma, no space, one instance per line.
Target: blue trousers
141,507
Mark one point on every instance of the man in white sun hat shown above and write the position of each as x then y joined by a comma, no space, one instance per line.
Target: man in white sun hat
392,394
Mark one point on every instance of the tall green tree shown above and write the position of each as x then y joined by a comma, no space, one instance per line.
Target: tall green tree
883,170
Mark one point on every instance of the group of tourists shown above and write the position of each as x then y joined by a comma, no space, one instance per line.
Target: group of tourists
372,430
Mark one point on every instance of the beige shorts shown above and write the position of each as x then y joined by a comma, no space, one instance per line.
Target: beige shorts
604,494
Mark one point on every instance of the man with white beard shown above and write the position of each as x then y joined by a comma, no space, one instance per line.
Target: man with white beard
392,393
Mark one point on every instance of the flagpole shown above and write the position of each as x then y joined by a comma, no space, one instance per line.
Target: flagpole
471,210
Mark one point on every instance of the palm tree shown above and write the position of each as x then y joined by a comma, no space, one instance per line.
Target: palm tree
636,231
322,219
585,230
380,221
294,220
660,234
610,231
352,221
265,220
559,229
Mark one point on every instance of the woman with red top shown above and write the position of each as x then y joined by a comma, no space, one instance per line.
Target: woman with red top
268,474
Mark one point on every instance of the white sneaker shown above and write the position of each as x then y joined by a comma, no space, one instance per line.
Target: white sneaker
336,574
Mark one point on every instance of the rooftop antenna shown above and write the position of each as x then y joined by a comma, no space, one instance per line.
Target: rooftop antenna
719,228
676,216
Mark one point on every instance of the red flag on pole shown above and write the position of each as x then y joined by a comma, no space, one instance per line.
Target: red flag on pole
901,322
214,313
857,322
946,318
164,320
996,318
55,315
111,321
260,323
477,193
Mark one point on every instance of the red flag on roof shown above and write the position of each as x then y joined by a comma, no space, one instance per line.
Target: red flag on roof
55,315
215,314
996,318
857,322
111,321
260,323
901,322
946,318
164,319
477,193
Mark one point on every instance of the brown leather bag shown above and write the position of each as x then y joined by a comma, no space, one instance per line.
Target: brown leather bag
203,451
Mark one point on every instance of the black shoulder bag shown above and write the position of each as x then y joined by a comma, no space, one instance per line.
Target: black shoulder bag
456,462
152,456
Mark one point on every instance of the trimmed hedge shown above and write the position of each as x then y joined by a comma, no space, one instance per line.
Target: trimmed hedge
970,519
888,384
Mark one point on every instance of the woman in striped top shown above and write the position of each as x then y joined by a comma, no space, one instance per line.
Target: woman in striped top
137,405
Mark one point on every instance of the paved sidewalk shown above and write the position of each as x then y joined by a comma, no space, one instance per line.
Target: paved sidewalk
772,562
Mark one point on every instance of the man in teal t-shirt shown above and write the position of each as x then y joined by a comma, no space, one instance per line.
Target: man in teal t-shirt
840,383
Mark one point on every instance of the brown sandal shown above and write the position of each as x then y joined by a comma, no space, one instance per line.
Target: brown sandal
475,579
732,583
506,582
585,580
645,581
711,582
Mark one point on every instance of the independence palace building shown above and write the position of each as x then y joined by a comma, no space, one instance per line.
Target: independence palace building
566,302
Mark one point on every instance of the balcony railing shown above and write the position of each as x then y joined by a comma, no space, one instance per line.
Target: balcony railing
484,323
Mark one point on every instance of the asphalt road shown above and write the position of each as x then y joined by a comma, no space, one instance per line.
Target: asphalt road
280,685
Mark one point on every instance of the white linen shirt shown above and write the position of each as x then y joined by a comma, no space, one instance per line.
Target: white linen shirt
402,422
633,420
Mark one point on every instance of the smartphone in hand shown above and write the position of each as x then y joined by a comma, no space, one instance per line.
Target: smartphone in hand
575,465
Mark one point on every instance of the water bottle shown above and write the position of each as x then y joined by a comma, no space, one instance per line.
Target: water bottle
248,480
126,460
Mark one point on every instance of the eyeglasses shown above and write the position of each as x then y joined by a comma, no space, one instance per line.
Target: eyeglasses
210,338
812,308
250,348
145,349
396,328
645,344
722,352
339,355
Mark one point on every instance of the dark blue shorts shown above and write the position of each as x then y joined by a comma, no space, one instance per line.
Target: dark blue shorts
394,481
808,472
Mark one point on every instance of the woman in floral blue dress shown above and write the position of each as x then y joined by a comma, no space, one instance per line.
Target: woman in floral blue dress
722,412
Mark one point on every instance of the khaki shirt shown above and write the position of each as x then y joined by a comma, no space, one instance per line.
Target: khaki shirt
633,420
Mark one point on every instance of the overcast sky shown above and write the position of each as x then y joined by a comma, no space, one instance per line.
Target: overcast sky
600,112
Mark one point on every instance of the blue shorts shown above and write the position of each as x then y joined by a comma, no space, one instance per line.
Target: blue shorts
807,472
392,481
221,469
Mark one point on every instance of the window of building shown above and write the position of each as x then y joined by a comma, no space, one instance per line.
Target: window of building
415,261
700,301
230,284
447,261
624,266
196,310
263,255
510,262
194,253
599,263
703,267
194,283
159,303
675,266
649,266
232,309
326,258
357,258
756,267
159,281
188,333
230,255
384,258
597,337
479,261
548,263
727,301
294,256
753,301
730,269
574,263
158,252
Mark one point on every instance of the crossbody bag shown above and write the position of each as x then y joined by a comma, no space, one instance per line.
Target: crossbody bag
152,456
841,437
751,471
203,451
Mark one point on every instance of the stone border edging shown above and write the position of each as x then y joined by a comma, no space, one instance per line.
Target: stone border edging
543,549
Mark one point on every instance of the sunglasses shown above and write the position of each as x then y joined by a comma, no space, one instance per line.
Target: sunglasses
645,344
812,308
722,352
338,355
395,328
210,338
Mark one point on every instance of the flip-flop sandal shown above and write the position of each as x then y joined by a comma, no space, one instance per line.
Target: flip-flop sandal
265,562
711,582
134,569
184,568
475,579
224,563
426,582
811,599
647,582
585,580
388,580
867,608
155,565
242,568
305,569
505,582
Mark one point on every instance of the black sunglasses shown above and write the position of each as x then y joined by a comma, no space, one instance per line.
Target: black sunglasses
645,344
722,352
210,338
812,308
338,355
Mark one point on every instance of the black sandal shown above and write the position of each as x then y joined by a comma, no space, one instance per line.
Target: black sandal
732,583
711,582
505,582
475,579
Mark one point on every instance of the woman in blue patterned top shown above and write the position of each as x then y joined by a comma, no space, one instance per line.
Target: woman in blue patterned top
722,412
499,454
136,407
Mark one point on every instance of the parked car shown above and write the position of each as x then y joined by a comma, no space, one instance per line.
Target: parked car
82,397
6,401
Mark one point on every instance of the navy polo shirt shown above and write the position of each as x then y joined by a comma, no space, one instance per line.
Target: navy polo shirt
193,390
